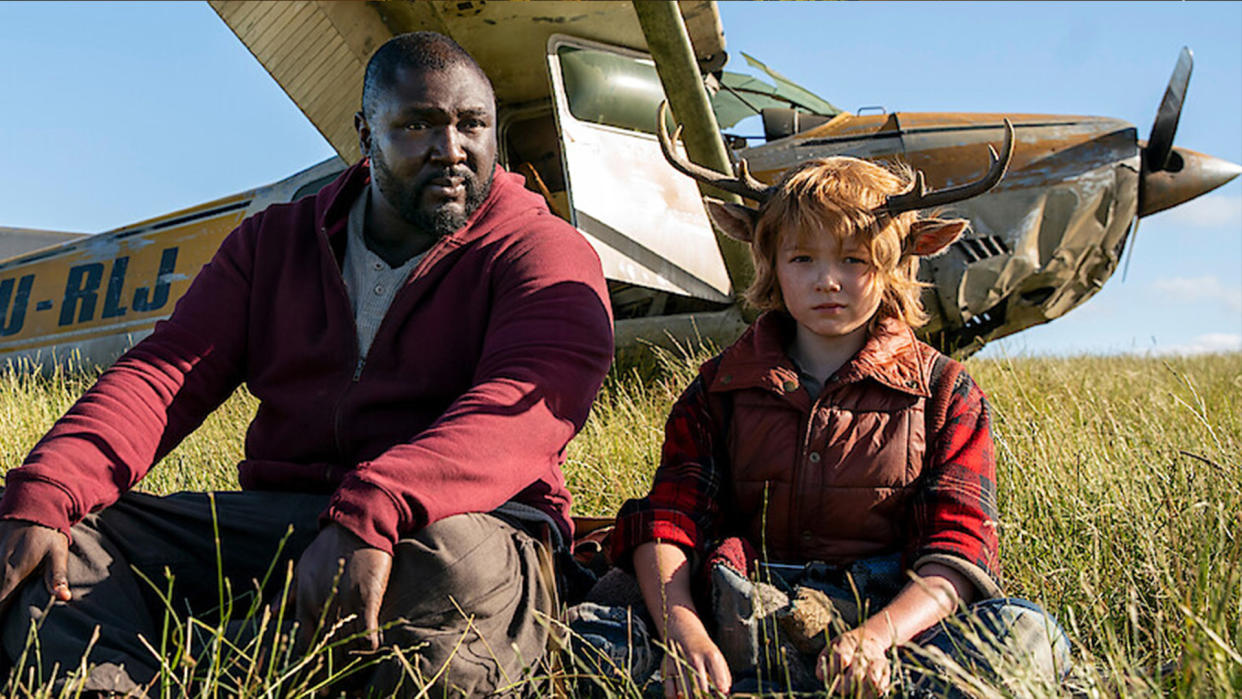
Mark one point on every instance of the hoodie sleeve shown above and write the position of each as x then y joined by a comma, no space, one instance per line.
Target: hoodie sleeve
145,404
547,348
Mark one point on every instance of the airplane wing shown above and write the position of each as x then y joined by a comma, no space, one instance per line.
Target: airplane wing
317,51
17,241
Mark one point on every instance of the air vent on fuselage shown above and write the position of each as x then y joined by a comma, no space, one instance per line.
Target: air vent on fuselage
983,319
977,249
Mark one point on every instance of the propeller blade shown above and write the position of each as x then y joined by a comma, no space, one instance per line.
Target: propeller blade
1160,143
1131,239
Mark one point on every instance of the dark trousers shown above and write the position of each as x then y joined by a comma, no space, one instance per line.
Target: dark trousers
466,603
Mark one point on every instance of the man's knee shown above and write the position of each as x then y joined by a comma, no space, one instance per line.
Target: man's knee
467,599
462,562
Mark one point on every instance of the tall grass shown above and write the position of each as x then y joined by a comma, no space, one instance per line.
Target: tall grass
1120,494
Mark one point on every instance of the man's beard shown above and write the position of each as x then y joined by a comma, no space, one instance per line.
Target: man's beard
437,221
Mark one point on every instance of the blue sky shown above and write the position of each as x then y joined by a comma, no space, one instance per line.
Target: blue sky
114,113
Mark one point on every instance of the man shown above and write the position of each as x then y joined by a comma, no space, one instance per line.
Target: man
424,338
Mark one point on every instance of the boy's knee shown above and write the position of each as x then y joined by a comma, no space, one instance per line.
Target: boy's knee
610,642
1030,635
1002,635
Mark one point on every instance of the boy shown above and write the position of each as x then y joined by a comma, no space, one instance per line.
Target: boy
830,441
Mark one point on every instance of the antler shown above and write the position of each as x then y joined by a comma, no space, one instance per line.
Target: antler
917,196
743,184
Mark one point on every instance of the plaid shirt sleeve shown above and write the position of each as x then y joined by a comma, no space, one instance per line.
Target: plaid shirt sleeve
683,506
954,512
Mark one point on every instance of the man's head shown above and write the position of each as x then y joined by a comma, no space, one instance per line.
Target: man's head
428,124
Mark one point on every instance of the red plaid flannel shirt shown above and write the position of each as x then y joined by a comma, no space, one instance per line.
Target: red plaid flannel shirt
953,510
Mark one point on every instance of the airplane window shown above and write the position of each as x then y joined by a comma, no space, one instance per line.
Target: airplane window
313,186
605,88
534,140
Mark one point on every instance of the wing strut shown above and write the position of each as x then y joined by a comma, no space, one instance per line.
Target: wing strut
669,44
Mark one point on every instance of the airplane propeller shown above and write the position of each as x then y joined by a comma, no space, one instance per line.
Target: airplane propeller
1172,175
1159,146
1160,143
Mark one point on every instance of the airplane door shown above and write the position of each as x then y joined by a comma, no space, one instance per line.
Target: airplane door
645,219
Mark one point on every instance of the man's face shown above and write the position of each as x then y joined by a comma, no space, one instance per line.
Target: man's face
432,144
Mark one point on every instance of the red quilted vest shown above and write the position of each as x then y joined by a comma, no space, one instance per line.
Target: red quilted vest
824,478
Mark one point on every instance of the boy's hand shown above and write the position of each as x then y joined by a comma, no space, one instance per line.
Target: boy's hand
699,667
858,661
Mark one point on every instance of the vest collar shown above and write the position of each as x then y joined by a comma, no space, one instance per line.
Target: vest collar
892,356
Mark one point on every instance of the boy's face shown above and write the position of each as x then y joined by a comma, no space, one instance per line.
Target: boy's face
829,286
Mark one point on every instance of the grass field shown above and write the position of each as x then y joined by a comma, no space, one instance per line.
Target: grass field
1120,494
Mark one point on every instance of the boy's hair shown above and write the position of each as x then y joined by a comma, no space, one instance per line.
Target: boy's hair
838,196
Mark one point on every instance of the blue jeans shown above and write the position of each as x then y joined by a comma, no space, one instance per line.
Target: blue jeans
990,640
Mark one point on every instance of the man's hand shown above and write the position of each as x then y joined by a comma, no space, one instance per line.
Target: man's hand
699,667
23,547
859,661
363,580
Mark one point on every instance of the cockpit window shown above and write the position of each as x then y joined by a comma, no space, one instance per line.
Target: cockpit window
605,88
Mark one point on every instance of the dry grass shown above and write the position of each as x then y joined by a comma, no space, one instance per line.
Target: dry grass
1120,482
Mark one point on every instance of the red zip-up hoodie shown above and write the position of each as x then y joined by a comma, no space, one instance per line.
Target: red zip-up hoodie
483,369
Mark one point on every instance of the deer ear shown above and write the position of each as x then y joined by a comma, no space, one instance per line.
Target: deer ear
933,236
734,220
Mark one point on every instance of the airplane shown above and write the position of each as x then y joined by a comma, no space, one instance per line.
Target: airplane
577,86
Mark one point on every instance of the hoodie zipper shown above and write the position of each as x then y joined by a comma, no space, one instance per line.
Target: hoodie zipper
360,361
339,414
338,440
